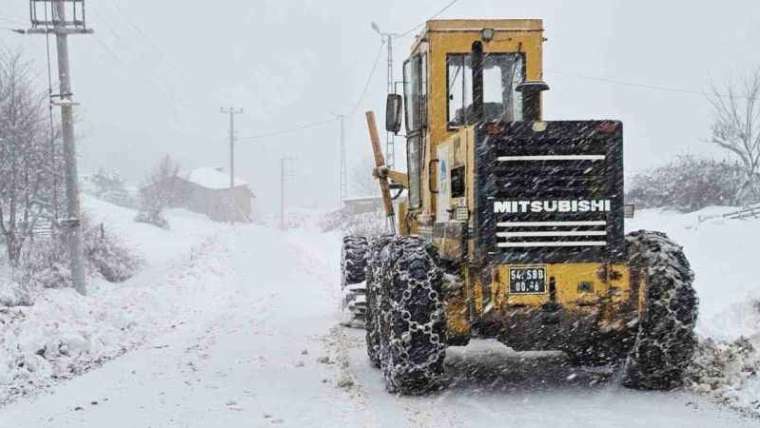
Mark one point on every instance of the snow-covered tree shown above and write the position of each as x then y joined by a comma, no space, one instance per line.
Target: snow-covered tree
736,128
158,192
29,160
110,187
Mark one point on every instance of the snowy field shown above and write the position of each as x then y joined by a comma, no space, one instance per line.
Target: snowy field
237,326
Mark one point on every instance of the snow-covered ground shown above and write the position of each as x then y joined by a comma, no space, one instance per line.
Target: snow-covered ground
63,334
237,326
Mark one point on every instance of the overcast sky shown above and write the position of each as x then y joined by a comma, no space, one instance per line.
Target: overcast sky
152,78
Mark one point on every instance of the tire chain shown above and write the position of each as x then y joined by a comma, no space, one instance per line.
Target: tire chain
412,325
374,285
666,341
353,260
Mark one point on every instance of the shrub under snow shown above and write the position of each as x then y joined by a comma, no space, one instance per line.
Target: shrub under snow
107,256
47,262
688,184
364,224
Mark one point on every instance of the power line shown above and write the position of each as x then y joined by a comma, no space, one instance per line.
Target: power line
625,83
122,16
651,87
420,25
369,78
365,89
297,128
51,120
12,21
179,99
310,125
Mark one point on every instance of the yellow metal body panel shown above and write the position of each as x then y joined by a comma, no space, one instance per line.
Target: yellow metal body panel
458,316
568,276
610,300
443,37
457,36
614,300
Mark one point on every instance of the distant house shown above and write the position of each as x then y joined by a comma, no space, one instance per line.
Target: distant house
207,191
363,204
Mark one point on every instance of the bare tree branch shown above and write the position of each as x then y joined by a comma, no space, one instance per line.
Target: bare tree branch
736,128
25,154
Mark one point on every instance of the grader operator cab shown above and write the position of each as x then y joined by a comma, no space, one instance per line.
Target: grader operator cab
511,227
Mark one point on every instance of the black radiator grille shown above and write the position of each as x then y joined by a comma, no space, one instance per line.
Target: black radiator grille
533,234
551,195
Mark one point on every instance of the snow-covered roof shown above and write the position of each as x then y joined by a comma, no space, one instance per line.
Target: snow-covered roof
212,178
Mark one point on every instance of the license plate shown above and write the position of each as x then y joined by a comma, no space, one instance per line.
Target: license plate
527,280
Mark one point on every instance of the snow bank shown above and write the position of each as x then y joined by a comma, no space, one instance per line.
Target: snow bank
723,254
64,334
728,372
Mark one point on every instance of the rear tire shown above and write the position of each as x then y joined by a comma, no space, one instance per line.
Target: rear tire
353,265
374,302
665,343
412,319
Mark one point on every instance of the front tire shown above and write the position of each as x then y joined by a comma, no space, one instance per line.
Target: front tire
375,306
665,343
353,263
412,318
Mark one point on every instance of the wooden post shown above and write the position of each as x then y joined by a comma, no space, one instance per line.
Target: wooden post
374,138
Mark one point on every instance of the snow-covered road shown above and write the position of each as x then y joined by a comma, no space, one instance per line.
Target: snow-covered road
273,355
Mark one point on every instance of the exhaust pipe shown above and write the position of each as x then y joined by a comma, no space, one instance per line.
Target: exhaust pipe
531,92
476,60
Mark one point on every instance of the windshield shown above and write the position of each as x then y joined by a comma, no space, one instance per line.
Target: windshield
501,74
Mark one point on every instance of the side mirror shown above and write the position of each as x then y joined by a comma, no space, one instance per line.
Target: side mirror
393,113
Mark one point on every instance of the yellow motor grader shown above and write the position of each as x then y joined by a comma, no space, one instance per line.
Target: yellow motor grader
511,227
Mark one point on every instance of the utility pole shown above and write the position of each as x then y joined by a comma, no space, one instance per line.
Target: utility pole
284,174
61,27
390,147
343,179
390,138
232,111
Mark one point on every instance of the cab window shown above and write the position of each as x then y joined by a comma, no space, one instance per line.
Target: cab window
415,92
501,74
415,103
414,168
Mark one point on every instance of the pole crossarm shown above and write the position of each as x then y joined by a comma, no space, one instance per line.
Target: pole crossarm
67,31
68,16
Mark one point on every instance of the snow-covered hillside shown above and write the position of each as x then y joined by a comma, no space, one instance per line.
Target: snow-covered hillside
64,334
238,326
